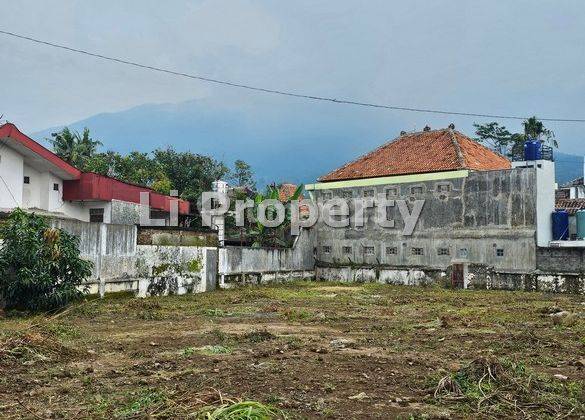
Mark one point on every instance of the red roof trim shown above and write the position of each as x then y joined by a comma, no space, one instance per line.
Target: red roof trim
96,187
10,130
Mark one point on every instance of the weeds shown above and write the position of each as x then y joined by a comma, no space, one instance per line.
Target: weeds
241,410
500,387
217,349
259,336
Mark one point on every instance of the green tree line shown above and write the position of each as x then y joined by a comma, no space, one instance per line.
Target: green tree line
162,170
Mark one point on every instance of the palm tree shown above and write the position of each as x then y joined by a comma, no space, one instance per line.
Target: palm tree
535,129
73,147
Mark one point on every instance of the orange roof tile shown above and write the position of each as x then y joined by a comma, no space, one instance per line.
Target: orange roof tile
421,152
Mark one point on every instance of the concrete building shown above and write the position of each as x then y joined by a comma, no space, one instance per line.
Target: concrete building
34,178
482,223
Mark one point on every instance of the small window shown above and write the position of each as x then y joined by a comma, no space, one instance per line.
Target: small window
391,192
55,187
369,250
391,250
327,195
347,249
326,249
499,252
368,193
443,188
417,251
96,215
443,251
462,253
347,194
416,190
27,179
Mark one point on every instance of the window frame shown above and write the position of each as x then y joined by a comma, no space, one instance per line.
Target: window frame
418,251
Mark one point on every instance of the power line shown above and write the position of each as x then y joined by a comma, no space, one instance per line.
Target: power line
279,92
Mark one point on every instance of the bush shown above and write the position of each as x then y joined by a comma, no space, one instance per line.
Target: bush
40,267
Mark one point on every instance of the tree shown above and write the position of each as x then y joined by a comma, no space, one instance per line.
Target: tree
497,137
40,267
191,174
242,175
74,148
535,129
511,145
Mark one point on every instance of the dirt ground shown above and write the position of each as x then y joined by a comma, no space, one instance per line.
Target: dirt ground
309,349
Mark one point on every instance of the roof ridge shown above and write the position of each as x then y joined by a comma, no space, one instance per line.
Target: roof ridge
455,141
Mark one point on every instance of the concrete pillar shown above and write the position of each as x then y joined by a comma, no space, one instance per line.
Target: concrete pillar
218,222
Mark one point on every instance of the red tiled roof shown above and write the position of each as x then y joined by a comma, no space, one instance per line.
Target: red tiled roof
570,204
421,152
286,191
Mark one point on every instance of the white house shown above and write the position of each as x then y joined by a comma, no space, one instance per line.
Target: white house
32,177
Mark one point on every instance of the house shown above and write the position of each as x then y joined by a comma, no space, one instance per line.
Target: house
483,217
34,178
571,190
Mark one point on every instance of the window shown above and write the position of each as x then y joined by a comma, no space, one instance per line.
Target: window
347,194
369,250
443,251
462,253
499,252
443,188
416,190
96,215
368,193
326,249
391,250
417,251
391,192
55,187
347,249
27,179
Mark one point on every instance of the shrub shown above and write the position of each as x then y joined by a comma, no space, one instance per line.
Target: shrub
40,267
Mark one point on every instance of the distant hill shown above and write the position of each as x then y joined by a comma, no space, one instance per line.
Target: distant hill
293,143
567,167
287,142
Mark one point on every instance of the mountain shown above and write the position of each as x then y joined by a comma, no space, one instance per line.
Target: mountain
289,143
283,140
568,167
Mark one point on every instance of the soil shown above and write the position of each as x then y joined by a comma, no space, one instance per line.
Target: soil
310,349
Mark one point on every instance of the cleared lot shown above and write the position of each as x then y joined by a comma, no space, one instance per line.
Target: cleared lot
309,349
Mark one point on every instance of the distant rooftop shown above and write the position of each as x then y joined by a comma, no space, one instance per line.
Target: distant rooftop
421,152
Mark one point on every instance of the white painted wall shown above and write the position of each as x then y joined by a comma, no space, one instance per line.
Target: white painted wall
31,193
545,198
11,173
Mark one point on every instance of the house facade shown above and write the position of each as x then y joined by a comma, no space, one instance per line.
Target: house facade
34,178
483,218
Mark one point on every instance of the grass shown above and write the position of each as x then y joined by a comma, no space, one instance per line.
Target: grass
300,350
242,410
501,387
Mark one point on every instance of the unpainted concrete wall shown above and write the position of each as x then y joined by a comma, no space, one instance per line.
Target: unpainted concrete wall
242,265
481,213
121,265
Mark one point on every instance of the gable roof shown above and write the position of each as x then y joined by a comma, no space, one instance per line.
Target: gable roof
35,153
421,152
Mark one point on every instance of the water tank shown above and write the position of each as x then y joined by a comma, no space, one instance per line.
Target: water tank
580,216
532,150
560,225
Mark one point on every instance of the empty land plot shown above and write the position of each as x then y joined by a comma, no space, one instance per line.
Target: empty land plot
306,349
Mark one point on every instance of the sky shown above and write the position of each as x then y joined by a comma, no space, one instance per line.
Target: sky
498,56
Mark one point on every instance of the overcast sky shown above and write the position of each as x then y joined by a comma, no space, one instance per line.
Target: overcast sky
501,57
